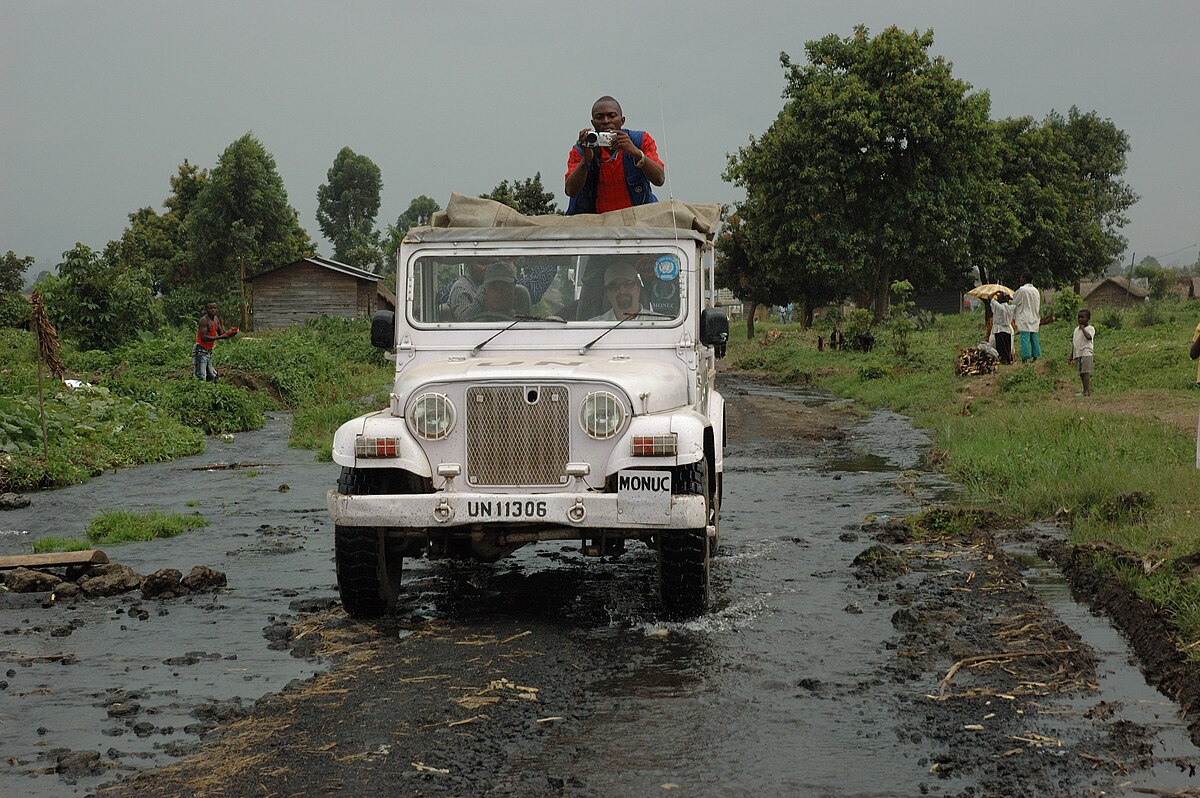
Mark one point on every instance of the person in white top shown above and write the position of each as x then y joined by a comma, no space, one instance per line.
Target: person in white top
1081,349
1002,326
1027,308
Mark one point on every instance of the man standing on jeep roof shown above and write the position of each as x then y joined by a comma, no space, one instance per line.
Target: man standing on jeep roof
601,179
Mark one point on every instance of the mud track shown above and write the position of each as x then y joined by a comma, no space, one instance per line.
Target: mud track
844,657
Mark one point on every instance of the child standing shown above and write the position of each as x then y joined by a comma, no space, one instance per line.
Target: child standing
1081,349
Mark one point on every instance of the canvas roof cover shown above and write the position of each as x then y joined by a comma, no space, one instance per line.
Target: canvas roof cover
489,220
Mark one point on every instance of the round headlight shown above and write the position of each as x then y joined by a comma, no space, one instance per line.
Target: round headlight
432,416
602,415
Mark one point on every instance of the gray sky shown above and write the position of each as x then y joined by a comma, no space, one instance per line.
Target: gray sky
101,101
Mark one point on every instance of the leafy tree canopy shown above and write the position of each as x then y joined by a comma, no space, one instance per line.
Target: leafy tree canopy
12,271
880,167
347,206
1064,188
528,196
240,221
99,302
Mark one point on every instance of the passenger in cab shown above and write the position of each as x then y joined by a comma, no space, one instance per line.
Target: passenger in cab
501,299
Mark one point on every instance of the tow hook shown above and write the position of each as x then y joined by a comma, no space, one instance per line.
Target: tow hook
577,512
443,512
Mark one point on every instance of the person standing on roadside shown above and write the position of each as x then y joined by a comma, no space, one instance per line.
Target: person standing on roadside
208,332
1081,349
1027,310
1002,326
1195,352
608,178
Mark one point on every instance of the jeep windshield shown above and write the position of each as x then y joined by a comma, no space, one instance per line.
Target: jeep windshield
494,290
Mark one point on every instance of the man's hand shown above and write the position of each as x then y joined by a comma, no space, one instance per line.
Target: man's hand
621,141
588,152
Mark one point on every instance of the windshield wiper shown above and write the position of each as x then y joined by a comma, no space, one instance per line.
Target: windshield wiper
583,349
516,320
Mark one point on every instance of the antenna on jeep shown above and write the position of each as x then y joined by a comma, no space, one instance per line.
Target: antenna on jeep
662,120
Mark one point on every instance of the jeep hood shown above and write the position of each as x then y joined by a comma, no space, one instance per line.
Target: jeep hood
653,386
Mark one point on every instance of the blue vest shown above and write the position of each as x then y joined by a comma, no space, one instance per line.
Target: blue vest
636,182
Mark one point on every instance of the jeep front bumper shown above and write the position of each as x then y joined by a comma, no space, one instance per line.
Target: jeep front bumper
588,510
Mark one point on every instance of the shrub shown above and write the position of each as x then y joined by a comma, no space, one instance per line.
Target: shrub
1149,315
858,328
213,407
15,310
1111,319
872,373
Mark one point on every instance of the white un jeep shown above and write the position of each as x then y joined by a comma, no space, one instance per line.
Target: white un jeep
522,410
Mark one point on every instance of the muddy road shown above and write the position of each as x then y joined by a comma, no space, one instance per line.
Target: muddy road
841,658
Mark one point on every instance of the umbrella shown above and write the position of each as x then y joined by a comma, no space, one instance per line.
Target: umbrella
989,290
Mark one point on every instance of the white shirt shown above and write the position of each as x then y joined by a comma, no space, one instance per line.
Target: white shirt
1027,308
1081,341
1002,316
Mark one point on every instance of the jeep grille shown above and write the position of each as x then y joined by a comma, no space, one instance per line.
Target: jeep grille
518,435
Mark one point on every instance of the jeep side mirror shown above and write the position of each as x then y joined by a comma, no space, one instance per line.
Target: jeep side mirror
383,329
714,330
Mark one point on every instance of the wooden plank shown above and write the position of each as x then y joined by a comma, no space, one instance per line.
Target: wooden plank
54,558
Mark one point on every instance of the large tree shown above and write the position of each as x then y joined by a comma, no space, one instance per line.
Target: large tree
241,222
879,167
1066,193
743,268
346,209
528,196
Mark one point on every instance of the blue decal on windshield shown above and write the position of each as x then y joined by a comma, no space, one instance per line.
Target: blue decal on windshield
666,268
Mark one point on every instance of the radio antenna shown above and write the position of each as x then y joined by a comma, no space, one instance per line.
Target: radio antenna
662,119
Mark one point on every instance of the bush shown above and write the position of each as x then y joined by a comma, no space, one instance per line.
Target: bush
213,407
1111,319
15,310
1066,305
858,328
1149,315
872,373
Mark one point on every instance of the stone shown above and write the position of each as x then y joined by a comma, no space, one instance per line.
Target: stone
163,583
202,578
65,590
78,763
13,501
27,580
110,579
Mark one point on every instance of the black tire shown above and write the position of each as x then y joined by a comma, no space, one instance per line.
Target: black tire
368,570
714,515
683,555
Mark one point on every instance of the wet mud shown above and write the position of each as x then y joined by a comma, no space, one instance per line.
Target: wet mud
843,656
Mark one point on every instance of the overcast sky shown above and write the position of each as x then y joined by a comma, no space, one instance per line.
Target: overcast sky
101,101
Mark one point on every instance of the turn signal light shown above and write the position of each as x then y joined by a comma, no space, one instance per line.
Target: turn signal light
655,445
376,447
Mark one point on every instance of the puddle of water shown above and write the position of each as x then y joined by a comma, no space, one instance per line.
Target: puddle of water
274,545
1121,682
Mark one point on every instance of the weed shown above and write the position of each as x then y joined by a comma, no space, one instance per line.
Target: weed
56,544
122,526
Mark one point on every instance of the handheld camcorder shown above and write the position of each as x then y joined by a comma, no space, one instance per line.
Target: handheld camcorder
598,138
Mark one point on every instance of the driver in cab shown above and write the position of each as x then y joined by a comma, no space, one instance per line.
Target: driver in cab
623,289
499,293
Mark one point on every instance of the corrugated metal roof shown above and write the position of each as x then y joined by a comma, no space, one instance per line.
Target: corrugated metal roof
326,263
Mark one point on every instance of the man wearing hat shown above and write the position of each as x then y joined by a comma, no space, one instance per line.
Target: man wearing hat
501,298
623,289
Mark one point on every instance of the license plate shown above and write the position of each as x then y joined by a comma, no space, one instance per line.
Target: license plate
506,509
644,495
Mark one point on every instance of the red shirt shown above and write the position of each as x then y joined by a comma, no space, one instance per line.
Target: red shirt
611,194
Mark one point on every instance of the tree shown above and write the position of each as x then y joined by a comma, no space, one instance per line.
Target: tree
1064,188
743,270
528,196
99,302
12,272
346,209
241,223
880,167
420,212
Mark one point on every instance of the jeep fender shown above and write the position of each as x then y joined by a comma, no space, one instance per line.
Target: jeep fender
381,424
688,427
716,414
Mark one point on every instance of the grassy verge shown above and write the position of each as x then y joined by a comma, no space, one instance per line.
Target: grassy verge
123,526
144,405
1117,467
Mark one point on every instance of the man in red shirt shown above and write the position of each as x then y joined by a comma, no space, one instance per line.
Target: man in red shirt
602,179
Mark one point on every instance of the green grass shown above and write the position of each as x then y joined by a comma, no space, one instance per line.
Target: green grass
1116,467
57,544
122,526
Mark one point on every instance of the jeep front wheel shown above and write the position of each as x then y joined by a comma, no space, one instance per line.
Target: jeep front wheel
683,555
368,566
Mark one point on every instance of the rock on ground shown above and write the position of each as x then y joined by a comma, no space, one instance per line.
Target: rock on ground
27,580
110,579
202,578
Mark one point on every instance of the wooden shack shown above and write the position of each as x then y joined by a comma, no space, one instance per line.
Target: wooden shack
313,287
1112,292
